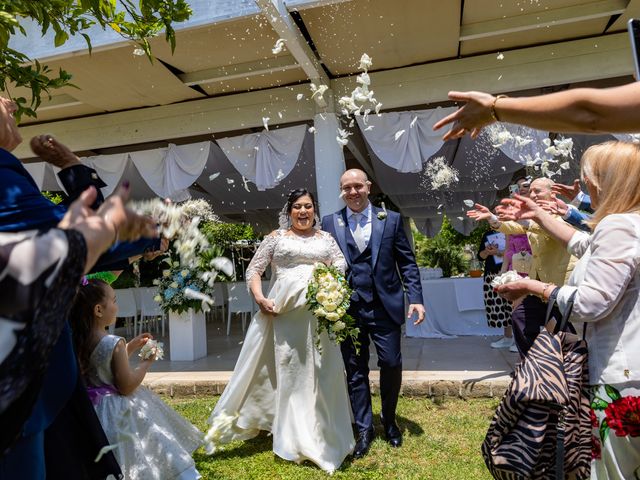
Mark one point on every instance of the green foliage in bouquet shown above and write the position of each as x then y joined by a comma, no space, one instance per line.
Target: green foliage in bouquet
329,297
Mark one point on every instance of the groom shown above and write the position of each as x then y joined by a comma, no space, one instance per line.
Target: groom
380,262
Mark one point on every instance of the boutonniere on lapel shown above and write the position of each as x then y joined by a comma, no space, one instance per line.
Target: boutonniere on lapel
383,214
340,222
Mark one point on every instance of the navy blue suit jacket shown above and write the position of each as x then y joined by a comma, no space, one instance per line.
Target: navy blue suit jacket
394,263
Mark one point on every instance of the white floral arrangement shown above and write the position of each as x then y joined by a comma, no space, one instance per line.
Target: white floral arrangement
507,277
329,297
151,348
191,268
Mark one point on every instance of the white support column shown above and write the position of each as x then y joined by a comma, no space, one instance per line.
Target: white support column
330,164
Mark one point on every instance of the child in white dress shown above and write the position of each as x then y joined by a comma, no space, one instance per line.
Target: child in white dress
151,441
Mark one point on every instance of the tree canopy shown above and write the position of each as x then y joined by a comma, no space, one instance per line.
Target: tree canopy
137,21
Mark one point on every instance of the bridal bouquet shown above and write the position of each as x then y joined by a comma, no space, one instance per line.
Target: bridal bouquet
328,297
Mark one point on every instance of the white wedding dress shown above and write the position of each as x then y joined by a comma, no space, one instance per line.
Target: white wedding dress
282,383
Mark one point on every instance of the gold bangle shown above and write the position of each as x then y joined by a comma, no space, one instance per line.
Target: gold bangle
494,115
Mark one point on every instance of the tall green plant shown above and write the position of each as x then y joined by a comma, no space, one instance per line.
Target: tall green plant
445,250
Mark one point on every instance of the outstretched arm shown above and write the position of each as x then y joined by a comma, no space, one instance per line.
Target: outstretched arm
586,110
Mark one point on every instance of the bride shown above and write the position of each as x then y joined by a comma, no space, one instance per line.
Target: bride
282,383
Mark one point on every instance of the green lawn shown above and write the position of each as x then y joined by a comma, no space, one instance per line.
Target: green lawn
441,441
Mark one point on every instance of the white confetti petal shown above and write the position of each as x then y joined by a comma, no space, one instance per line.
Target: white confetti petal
500,56
469,203
214,176
312,129
278,47
299,97
265,122
104,450
413,122
223,264
398,134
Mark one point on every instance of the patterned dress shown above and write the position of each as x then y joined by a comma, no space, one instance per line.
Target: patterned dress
497,308
38,278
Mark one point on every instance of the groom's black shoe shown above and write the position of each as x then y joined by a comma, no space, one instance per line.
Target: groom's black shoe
393,435
365,437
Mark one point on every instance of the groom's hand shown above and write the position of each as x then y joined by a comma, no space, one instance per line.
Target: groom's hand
419,309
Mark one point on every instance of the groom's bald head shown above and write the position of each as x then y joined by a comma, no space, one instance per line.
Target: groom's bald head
354,174
354,189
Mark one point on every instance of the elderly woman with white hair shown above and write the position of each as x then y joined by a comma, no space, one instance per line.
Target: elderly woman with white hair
605,286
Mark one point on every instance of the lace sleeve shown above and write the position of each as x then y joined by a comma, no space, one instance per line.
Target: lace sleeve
337,258
262,258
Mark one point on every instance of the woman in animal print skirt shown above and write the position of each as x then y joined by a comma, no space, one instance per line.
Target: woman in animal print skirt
606,285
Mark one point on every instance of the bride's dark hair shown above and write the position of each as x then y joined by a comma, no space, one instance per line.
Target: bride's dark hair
296,194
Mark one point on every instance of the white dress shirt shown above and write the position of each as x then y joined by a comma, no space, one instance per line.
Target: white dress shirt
606,280
365,222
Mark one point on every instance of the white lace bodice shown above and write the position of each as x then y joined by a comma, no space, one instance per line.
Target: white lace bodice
293,257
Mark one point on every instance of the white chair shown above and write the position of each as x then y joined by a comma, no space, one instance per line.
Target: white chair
127,309
238,301
219,296
149,308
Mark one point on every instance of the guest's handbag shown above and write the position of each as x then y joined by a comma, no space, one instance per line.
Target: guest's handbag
542,428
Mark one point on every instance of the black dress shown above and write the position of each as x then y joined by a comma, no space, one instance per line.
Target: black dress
497,308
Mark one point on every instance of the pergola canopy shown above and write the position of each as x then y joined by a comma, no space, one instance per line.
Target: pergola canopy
224,79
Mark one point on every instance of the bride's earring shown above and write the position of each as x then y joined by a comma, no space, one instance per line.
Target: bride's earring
316,221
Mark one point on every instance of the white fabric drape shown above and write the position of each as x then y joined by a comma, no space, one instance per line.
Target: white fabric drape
265,158
627,137
109,168
169,172
404,151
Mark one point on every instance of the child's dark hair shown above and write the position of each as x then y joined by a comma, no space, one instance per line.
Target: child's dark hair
91,293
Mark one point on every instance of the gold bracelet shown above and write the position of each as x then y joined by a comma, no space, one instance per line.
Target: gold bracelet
494,115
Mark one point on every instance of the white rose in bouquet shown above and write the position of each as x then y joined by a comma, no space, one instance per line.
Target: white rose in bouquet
507,277
332,316
322,297
339,325
166,273
330,306
320,312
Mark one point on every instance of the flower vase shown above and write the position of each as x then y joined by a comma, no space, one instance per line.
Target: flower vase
187,336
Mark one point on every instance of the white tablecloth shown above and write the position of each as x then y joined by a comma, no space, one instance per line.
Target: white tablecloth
455,306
